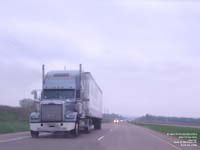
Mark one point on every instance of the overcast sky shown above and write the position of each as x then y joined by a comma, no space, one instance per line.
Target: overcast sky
145,55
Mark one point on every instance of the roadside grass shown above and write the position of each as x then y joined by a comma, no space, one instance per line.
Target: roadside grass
12,122
173,129
13,126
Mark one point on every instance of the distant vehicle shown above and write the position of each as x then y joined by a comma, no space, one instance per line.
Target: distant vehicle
116,121
70,101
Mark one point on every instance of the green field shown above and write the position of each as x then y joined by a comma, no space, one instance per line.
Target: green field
173,129
12,122
13,126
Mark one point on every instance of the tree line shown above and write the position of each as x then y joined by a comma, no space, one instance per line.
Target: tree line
167,120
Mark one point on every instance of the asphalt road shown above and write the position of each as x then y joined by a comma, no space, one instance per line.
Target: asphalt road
121,136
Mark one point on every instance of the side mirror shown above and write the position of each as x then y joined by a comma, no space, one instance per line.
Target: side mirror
34,93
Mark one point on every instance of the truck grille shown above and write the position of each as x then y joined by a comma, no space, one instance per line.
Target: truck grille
51,113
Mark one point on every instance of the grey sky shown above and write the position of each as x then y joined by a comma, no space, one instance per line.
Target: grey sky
145,55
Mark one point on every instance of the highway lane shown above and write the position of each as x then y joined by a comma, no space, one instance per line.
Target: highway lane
121,136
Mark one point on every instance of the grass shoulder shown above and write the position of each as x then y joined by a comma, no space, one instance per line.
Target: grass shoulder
13,126
174,130
11,121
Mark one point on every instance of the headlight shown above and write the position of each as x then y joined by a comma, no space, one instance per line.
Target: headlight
35,116
70,116
116,121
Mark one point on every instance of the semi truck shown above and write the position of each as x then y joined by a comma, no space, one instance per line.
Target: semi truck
70,101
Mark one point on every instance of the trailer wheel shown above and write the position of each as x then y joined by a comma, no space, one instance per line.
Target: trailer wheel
87,130
97,124
34,134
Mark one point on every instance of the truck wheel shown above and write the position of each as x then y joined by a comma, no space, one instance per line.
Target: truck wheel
34,134
87,127
75,132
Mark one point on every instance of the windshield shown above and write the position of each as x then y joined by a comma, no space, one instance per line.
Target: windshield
58,94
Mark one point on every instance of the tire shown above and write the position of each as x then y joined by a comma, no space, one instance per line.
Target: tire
87,130
97,124
75,132
87,127
34,134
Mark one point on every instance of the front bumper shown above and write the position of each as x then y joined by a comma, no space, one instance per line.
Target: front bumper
52,127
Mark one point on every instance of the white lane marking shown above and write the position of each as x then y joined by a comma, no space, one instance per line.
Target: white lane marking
15,139
100,138
165,141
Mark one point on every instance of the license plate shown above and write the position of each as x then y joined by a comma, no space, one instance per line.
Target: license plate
51,125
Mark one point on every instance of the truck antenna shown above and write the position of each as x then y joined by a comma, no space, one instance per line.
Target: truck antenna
43,74
80,78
